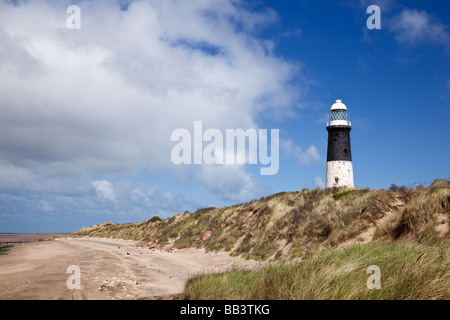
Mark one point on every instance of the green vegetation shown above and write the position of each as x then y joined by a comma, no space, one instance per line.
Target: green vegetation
408,271
155,218
5,249
339,195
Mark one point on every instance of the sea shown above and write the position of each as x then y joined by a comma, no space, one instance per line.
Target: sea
25,237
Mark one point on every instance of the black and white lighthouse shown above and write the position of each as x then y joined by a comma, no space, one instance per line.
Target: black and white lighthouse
339,155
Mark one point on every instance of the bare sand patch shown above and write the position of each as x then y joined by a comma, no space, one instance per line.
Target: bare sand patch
110,269
368,234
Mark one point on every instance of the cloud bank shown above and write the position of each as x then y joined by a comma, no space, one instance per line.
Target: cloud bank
104,100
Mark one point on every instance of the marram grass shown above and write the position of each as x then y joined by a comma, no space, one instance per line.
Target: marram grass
408,271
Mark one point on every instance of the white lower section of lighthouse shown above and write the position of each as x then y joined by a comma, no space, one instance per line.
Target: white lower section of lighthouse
339,174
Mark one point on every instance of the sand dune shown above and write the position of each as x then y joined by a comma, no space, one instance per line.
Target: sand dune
109,269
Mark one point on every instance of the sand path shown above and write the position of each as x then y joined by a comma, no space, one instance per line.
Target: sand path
109,269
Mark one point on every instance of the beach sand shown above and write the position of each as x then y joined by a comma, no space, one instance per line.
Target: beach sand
109,269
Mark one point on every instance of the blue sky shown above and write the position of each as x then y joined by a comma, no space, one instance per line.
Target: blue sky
86,115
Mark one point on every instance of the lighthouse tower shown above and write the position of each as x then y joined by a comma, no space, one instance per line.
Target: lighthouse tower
339,155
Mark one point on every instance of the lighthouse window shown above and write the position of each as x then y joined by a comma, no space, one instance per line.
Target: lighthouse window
345,151
338,115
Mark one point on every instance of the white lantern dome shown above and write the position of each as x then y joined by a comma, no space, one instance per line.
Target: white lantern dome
338,115
338,106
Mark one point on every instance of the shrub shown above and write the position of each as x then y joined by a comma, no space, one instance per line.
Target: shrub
393,187
155,218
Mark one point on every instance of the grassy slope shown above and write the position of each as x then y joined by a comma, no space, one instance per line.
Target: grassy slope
309,225
408,271
261,228
413,259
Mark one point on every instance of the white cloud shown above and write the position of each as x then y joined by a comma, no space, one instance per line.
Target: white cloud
305,157
105,190
319,183
102,201
105,99
413,27
44,206
232,183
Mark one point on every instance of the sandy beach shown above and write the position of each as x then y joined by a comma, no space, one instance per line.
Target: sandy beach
109,269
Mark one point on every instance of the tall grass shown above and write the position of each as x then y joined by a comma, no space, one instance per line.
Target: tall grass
420,213
408,271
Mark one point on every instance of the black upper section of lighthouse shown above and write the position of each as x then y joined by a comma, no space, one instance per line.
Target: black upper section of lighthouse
339,143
